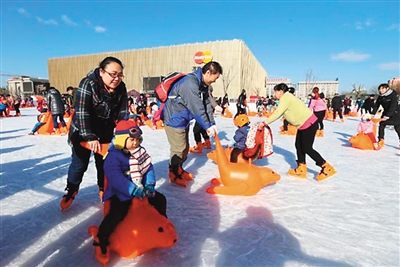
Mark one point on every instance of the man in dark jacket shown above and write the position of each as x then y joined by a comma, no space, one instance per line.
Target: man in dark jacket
337,107
56,107
188,99
368,104
389,101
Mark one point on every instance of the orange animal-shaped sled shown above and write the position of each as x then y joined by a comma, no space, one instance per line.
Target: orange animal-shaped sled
142,230
227,151
361,141
243,179
103,147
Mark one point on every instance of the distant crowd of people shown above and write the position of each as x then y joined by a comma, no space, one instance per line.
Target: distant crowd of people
102,113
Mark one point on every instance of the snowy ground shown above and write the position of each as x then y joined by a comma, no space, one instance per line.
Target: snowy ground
351,219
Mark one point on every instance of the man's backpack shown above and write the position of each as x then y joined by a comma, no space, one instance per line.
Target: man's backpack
164,87
162,91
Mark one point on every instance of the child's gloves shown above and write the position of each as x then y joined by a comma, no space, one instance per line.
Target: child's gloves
212,131
149,190
138,192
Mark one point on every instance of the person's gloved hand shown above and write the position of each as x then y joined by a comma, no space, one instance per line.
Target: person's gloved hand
138,192
218,109
212,131
149,190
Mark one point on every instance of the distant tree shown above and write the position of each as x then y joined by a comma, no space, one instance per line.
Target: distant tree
227,78
358,91
310,81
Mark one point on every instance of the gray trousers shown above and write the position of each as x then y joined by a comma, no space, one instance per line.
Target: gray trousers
178,140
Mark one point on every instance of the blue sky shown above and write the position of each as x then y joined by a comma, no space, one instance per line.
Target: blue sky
355,41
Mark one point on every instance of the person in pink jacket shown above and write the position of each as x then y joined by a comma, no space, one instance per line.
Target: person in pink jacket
318,106
366,126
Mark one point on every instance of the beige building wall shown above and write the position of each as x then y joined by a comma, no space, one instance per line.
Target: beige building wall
241,68
329,88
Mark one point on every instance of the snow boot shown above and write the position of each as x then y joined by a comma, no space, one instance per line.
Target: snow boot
198,148
101,253
179,176
299,172
327,171
67,199
176,178
381,143
207,144
376,146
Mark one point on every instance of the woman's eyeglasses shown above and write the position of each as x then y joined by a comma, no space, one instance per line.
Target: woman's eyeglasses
115,75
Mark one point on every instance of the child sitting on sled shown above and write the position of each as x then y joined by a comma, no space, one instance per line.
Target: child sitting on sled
130,174
366,126
42,119
243,123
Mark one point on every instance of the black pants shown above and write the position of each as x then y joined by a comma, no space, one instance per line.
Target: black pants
199,132
235,154
320,115
285,125
339,111
304,145
382,126
119,209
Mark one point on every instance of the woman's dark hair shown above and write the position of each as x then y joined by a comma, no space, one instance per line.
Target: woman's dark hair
384,85
292,90
109,60
281,87
213,66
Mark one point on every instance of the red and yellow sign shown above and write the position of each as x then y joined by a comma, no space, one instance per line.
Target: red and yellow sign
202,57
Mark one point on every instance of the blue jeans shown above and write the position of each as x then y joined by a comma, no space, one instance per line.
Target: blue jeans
79,163
37,126
60,118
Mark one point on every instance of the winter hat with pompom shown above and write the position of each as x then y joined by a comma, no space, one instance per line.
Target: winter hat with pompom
366,117
124,130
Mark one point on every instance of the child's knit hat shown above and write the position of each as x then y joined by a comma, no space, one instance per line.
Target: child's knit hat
123,130
366,117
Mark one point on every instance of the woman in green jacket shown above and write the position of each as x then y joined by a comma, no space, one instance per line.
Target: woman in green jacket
297,113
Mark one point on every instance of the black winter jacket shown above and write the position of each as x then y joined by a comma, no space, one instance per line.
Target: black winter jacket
54,102
391,106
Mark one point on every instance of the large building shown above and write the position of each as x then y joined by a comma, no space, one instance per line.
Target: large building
143,68
271,82
329,88
24,86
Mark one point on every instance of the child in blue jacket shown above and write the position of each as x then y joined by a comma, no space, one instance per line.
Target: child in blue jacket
130,174
242,122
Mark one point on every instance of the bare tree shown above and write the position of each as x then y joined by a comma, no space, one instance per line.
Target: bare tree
357,91
310,81
227,78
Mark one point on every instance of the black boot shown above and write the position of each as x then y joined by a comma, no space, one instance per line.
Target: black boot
103,244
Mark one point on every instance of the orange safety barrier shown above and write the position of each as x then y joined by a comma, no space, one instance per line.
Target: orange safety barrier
243,179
